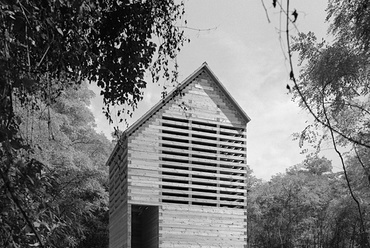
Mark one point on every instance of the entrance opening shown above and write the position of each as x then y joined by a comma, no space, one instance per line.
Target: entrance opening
144,226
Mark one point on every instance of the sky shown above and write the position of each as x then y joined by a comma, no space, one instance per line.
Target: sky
244,51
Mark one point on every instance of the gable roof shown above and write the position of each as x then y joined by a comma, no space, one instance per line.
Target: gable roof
182,85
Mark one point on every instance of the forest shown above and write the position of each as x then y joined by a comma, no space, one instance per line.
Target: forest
309,206
54,182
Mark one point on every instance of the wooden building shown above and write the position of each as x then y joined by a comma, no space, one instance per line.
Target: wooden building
178,175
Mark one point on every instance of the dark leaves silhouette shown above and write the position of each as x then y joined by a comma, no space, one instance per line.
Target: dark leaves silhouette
288,88
295,15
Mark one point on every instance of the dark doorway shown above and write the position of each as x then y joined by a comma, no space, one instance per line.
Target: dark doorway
144,226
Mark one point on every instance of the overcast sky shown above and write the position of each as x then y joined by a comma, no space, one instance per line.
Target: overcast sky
244,52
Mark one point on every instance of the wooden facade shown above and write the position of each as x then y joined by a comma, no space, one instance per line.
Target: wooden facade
178,175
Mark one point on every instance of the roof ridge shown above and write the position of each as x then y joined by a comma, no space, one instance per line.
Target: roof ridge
183,84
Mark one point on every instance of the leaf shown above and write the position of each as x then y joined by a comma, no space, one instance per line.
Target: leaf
28,83
19,24
36,224
32,182
288,88
60,31
295,15
16,144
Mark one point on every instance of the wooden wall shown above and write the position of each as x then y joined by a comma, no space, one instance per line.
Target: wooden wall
143,168
189,159
185,226
118,188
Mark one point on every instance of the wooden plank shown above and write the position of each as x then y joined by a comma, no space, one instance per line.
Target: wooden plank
217,109
198,173
143,201
138,143
143,191
191,118
194,186
195,180
233,226
215,168
187,221
180,113
204,121
217,116
196,124
212,154
200,210
204,232
193,132
204,160
239,144
204,201
143,155
241,197
147,164
149,200
144,170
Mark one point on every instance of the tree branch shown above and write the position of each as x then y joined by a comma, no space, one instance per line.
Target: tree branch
296,86
362,164
267,15
364,242
197,29
18,204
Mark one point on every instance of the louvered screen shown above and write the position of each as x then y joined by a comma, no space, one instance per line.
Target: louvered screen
202,163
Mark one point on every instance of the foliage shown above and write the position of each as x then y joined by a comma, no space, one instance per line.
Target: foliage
316,165
349,22
334,83
110,42
334,87
63,189
46,49
303,208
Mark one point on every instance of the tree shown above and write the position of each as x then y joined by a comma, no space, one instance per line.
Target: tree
287,209
303,208
66,197
333,83
316,165
47,48
109,42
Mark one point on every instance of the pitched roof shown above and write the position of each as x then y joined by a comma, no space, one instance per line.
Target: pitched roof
181,86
